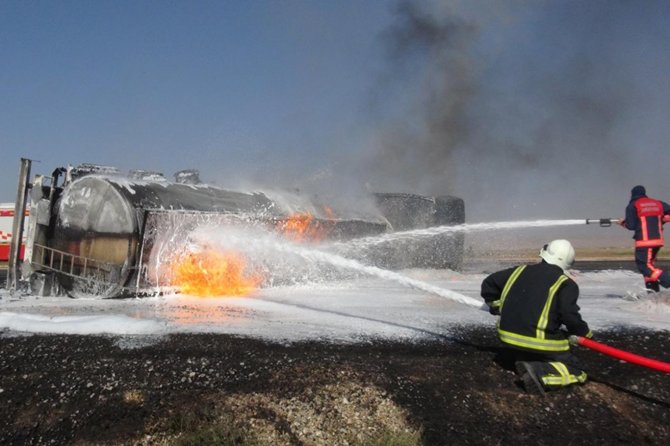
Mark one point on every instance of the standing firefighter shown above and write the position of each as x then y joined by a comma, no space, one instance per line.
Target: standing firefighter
646,216
534,302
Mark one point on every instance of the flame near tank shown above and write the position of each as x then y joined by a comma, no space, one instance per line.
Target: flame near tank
304,227
214,272
211,273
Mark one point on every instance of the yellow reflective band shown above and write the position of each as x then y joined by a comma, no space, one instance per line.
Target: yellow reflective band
515,275
564,377
581,377
554,381
554,345
544,317
563,371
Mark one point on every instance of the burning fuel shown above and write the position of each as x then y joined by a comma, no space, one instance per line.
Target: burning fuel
214,273
303,227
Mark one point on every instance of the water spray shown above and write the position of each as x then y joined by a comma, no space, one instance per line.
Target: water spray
620,354
465,228
342,262
268,242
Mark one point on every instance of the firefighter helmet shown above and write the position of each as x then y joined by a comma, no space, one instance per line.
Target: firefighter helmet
559,253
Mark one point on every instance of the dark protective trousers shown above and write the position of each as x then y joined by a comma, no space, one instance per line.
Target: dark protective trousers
645,259
554,369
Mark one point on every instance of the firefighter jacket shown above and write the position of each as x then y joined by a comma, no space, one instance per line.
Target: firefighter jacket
534,301
646,216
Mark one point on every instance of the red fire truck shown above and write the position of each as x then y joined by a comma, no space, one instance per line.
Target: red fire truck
6,222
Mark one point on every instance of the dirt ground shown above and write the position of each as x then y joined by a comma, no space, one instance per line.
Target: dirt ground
219,389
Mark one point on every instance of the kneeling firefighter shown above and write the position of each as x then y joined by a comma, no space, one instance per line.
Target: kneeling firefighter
534,302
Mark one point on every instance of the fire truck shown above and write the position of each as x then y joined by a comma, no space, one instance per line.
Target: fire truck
6,222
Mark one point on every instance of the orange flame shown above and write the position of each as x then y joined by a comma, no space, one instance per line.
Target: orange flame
214,273
303,227
329,213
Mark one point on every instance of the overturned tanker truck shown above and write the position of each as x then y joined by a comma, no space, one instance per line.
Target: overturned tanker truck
95,231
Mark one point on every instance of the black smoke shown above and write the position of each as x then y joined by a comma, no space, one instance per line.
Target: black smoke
431,63
525,109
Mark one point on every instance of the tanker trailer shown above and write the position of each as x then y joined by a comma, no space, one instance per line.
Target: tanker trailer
107,235
95,237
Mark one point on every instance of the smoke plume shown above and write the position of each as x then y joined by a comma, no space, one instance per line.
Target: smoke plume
529,109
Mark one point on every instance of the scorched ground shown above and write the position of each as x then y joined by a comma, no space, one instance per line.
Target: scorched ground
221,389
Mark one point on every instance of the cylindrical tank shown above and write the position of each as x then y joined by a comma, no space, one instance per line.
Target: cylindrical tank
98,223
98,243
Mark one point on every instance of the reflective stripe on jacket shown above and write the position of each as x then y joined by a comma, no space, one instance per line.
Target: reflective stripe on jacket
646,216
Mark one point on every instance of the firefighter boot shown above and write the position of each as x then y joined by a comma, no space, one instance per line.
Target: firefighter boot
531,382
652,287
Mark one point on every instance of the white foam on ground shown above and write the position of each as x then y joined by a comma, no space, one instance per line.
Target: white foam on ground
342,311
110,324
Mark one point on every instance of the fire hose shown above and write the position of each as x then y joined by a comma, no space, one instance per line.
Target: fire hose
606,349
620,354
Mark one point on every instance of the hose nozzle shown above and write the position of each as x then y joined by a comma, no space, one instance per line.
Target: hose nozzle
603,222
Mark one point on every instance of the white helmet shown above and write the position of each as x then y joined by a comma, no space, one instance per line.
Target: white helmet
559,253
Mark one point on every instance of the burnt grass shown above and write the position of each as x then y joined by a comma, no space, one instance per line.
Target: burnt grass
231,390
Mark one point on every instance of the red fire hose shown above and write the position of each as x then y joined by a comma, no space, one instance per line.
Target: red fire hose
620,354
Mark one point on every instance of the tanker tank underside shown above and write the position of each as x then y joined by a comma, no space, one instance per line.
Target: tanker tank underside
104,235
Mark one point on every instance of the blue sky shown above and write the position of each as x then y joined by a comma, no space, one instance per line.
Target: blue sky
524,108
170,85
